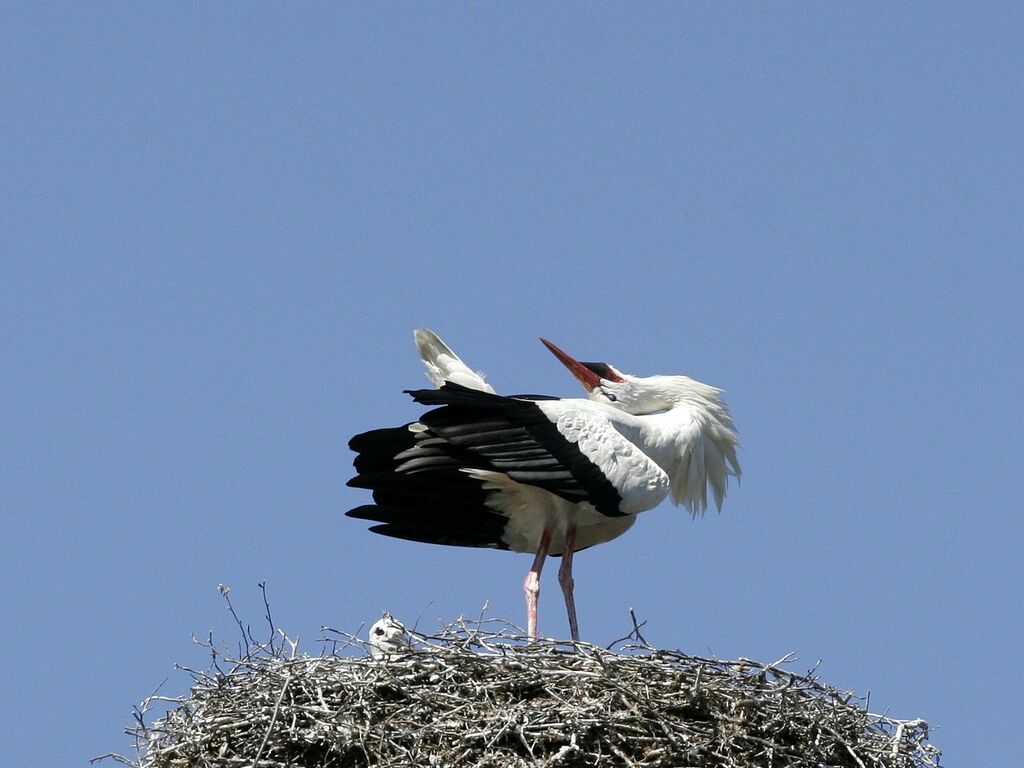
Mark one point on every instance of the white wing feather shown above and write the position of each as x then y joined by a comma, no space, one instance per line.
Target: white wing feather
703,455
444,365
641,483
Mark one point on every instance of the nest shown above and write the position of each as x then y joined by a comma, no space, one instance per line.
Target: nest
479,694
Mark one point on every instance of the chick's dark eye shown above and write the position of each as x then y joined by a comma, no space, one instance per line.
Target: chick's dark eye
611,397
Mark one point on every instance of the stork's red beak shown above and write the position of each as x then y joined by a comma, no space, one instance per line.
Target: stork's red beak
588,374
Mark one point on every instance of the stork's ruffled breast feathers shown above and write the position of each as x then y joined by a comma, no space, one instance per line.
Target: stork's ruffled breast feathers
707,450
684,425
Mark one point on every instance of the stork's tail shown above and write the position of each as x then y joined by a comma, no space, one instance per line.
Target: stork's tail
444,365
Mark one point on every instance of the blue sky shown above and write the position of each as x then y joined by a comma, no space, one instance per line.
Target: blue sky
220,227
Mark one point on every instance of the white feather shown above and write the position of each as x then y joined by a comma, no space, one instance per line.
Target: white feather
641,483
388,636
530,510
682,425
444,365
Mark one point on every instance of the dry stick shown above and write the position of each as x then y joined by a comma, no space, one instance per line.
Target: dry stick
622,756
896,740
280,698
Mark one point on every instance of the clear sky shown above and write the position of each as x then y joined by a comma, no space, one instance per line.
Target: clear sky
220,227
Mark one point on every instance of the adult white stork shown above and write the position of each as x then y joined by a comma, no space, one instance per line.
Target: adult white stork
539,474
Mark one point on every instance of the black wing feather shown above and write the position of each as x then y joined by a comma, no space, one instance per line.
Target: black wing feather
468,418
419,490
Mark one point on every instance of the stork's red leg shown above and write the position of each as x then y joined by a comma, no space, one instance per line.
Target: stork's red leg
565,579
532,584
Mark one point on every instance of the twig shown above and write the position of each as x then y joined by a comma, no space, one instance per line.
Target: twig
225,590
273,717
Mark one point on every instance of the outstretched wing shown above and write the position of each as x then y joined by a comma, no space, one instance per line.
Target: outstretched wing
438,480
567,447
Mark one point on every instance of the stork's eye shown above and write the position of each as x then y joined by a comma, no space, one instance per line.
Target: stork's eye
379,631
610,396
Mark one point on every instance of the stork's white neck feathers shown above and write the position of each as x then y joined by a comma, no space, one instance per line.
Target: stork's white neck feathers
684,426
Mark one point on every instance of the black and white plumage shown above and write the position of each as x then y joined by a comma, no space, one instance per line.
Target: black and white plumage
540,474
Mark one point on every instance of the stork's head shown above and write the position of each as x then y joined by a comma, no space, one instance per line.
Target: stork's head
388,636
605,384
703,408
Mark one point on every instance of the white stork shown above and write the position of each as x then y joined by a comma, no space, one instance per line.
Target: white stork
388,636
539,474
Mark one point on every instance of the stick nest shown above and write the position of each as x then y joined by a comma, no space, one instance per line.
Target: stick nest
478,694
